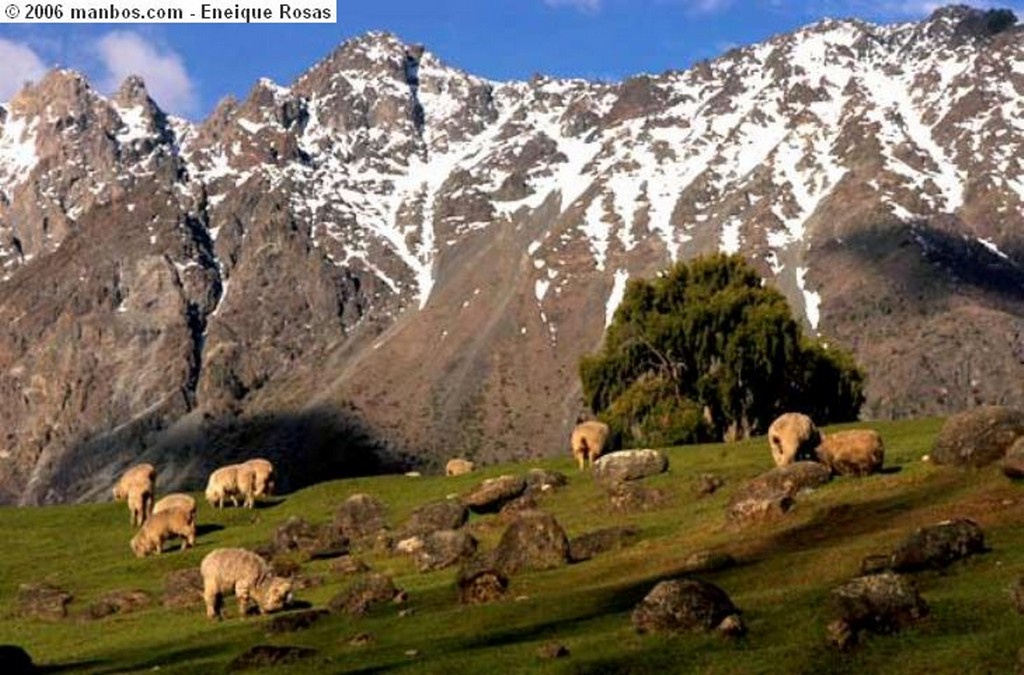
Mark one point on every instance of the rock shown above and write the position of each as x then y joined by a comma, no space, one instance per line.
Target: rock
877,603
590,544
978,437
552,650
364,593
732,626
938,546
479,582
42,601
289,623
445,548
362,639
542,481
709,484
267,656
492,494
772,494
183,588
409,545
445,514
626,465
360,517
682,605
348,565
312,541
707,561
534,541
513,509
633,497
16,661
118,602
1013,462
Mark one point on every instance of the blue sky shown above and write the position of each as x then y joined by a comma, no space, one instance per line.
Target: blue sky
188,68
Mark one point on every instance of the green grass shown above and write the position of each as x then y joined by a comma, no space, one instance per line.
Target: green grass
785,573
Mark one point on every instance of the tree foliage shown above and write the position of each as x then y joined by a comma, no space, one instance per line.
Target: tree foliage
707,351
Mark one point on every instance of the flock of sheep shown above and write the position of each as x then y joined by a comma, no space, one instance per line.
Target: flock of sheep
224,570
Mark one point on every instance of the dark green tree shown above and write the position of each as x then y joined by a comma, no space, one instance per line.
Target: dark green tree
706,350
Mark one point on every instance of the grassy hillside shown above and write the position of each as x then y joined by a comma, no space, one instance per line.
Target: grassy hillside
784,574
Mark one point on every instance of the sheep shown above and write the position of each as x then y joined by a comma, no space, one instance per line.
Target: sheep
264,476
230,482
856,452
248,576
176,500
588,441
136,486
458,467
792,437
162,525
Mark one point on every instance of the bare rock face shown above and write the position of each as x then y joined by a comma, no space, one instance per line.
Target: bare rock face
978,437
681,606
879,603
629,465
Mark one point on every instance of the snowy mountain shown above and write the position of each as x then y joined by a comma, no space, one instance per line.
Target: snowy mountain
391,257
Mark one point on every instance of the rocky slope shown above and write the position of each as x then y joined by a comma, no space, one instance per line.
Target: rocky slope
391,258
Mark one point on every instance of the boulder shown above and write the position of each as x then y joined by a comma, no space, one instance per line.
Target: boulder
542,481
16,661
534,541
364,593
42,601
772,493
360,517
878,603
268,656
1013,462
633,497
348,565
685,605
707,561
479,582
590,544
296,621
445,548
493,493
513,509
118,602
183,588
624,465
978,437
938,546
312,541
709,484
445,514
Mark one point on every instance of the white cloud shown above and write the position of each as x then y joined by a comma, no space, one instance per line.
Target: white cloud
20,65
582,5
708,6
125,53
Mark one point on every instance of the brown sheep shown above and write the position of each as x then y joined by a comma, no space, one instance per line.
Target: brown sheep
588,441
230,482
857,452
164,525
136,486
263,476
792,438
176,500
458,467
248,576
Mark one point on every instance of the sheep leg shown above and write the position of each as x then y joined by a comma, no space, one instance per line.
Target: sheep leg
213,601
242,591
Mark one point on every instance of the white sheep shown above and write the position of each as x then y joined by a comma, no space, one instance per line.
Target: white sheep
248,576
176,500
458,467
588,441
231,482
164,525
264,476
136,486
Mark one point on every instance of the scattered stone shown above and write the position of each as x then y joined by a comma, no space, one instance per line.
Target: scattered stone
938,546
552,650
289,623
772,494
266,656
409,546
183,588
42,601
406,612
1013,462
542,481
362,639
490,495
480,583
16,661
732,626
978,437
118,602
683,605
446,514
626,465
709,484
634,497
707,561
348,565
534,541
360,517
513,509
877,603
364,593
590,544
313,541
445,548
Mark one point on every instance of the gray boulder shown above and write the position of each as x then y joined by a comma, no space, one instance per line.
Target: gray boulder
978,437
878,603
360,517
626,465
686,605
534,541
493,493
772,494
938,546
445,548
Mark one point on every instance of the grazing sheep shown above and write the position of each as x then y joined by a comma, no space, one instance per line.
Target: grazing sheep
857,452
458,467
248,576
230,482
164,525
588,441
136,486
176,500
792,438
263,476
